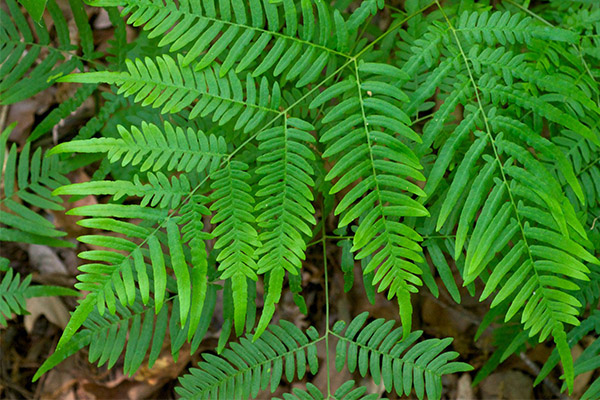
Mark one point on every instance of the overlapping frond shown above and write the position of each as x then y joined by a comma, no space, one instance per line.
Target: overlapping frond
137,333
502,189
347,390
21,76
236,234
286,212
14,291
402,364
29,178
159,191
248,367
165,82
171,148
366,132
297,44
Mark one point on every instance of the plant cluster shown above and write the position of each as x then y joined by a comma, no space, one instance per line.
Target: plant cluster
441,135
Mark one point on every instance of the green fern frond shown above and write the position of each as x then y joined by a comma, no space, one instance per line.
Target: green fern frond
165,82
14,292
235,233
240,39
486,151
250,366
374,157
20,75
29,179
136,332
377,349
286,212
12,295
192,215
589,325
158,192
171,148
346,391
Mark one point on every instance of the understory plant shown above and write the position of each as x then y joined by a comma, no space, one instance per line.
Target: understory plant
453,142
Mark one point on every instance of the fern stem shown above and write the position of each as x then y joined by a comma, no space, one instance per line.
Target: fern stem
326,277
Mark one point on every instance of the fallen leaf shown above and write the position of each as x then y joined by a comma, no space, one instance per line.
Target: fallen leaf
464,391
50,307
45,260
509,385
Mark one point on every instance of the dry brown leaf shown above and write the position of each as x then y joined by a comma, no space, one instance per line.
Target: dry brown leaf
50,307
45,260
508,385
464,391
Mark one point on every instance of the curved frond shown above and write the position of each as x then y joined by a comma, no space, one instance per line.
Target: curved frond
235,34
135,332
366,133
402,364
29,178
286,212
248,367
171,148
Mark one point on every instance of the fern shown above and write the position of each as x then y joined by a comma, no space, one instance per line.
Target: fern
371,104
284,350
14,292
292,50
287,210
232,136
30,181
21,77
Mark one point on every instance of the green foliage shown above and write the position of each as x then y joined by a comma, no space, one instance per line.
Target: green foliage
14,292
29,181
284,350
21,74
459,141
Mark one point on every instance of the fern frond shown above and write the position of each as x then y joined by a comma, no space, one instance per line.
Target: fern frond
192,215
589,325
235,234
250,366
171,148
20,75
29,179
136,331
165,82
363,125
12,295
62,111
158,192
346,391
14,292
286,212
379,349
240,39
488,150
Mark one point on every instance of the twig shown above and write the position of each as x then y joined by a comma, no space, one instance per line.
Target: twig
549,384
